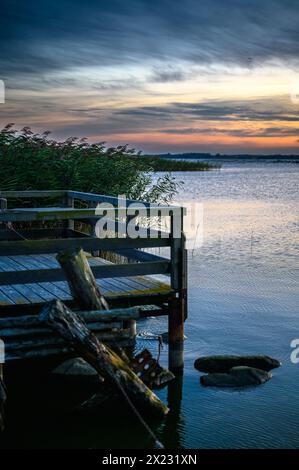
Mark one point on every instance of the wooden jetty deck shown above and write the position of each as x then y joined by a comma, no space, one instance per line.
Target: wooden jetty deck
121,288
31,236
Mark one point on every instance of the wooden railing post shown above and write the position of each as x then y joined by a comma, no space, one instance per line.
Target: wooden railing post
3,204
93,223
69,202
178,304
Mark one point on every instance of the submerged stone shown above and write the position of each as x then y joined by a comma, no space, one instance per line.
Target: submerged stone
237,377
77,370
224,363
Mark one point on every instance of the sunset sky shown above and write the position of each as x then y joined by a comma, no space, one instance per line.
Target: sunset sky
160,75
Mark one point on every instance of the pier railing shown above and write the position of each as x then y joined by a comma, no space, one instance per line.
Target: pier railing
80,207
16,243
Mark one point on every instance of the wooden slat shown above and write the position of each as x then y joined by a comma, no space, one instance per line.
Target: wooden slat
7,265
53,340
88,244
32,234
110,270
115,201
39,291
4,300
138,255
90,316
61,213
29,293
56,291
25,332
33,194
14,295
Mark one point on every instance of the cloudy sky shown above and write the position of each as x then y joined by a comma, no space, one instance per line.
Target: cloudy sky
160,75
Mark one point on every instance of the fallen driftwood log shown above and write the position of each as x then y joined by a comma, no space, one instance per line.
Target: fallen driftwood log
225,363
107,363
82,283
241,376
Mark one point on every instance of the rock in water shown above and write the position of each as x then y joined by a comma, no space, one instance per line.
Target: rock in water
77,370
237,377
224,363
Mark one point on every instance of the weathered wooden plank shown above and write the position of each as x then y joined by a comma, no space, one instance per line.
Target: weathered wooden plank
89,316
26,262
56,291
61,213
7,264
112,285
15,296
39,290
20,344
116,202
141,282
32,234
139,255
29,293
138,296
33,193
104,271
22,247
48,261
52,351
8,334
100,198
39,353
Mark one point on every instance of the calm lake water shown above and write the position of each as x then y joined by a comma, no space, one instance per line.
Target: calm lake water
243,298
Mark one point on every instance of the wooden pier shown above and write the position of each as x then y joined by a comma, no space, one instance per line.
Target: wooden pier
30,276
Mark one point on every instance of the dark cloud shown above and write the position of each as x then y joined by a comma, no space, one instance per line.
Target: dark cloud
50,49
264,132
167,75
273,109
38,37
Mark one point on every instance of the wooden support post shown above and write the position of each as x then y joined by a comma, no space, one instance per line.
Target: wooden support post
106,362
178,304
81,280
69,202
93,223
2,399
3,204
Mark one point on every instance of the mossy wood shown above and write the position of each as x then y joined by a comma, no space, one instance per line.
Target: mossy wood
107,363
81,281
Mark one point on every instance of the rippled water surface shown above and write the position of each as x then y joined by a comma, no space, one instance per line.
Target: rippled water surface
243,298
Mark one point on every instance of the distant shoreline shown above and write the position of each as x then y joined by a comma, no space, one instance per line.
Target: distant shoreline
159,163
223,157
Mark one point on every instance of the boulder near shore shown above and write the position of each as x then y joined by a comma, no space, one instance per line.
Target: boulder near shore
237,377
224,363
